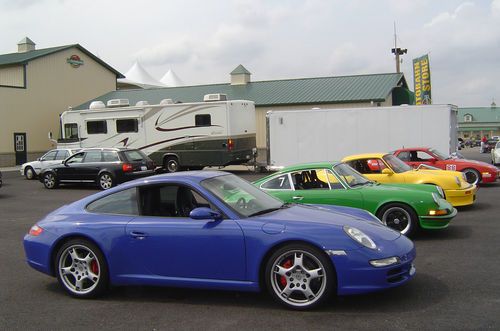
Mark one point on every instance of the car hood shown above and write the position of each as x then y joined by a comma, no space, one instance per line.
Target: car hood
306,217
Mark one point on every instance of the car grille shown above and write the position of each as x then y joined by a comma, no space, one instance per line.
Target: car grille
399,274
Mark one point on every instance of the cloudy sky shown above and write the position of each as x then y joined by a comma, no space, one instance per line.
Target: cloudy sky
204,40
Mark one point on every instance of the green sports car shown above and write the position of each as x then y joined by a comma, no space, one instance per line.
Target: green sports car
402,207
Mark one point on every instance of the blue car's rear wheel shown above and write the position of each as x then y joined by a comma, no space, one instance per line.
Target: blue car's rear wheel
299,276
81,269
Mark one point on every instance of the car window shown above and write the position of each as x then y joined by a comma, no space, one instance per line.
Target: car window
121,203
77,158
110,156
170,200
92,156
281,182
62,155
404,156
368,166
134,155
424,156
310,179
335,184
50,156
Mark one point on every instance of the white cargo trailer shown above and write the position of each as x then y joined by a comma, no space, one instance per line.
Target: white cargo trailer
299,136
216,132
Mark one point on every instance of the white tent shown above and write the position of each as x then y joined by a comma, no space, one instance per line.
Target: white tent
138,76
170,79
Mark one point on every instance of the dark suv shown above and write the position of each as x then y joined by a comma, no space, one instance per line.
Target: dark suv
105,167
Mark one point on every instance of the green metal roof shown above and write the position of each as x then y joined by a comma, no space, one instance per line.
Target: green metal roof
240,70
25,57
319,90
479,115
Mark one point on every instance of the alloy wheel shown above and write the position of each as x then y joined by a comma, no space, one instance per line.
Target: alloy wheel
105,181
397,219
79,269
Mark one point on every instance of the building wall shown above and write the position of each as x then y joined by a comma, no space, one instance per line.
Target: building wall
52,86
260,114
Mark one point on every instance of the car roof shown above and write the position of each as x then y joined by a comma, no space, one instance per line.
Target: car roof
114,149
406,149
310,165
364,156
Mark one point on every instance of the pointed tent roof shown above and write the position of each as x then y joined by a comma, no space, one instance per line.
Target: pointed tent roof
139,76
240,70
170,79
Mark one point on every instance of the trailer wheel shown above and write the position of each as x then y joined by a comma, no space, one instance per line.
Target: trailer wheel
171,164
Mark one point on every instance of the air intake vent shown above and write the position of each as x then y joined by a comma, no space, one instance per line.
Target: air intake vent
215,97
118,103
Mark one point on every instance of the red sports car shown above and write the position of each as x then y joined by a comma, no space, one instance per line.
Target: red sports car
475,171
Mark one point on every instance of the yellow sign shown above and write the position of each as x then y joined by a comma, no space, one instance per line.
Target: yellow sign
422,80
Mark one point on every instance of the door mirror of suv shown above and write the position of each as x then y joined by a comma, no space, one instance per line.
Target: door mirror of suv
387,171
204,213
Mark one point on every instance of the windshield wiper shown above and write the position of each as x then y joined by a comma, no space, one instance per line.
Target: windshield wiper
265,211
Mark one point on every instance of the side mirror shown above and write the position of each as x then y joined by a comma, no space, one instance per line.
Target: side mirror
387,171
204,213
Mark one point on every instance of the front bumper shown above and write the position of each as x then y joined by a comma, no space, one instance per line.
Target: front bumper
461,197
490,176
437,222
355,274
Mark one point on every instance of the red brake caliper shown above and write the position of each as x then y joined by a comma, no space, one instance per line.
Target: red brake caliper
94,267
287,264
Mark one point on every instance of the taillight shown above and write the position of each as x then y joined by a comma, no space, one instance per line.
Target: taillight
230,144
127,167
36,230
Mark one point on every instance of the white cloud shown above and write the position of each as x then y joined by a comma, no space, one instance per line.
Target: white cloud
447,16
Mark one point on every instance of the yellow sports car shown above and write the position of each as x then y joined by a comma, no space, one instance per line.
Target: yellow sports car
386,168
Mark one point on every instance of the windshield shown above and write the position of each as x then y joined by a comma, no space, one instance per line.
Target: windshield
349,175
241,196
440,155
396,164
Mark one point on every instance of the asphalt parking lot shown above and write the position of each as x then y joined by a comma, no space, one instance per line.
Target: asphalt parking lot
457,285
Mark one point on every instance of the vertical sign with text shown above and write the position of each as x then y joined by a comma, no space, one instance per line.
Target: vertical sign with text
422,80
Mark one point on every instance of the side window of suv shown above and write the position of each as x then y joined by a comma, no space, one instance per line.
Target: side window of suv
92,156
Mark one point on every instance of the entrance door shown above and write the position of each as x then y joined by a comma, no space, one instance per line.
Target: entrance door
20,147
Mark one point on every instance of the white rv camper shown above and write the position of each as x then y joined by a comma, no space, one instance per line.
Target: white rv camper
215,132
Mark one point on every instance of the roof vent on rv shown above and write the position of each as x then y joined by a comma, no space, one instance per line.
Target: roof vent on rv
166,102
97,105
215,97
118,103
142,103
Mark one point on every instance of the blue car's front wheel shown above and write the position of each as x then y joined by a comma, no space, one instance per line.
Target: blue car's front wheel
81,269
299,276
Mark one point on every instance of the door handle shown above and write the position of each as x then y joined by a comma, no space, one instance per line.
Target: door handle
297,198
138,235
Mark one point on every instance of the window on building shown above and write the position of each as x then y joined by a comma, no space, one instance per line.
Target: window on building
128,125
94,127
467,118
71,131
203,120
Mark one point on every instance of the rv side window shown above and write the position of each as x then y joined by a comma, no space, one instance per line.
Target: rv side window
97,127
129,125
71,131
203,120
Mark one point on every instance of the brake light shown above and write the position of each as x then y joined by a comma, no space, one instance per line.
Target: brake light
127,167
36,230
230,144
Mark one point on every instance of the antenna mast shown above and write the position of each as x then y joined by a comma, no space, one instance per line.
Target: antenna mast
397,51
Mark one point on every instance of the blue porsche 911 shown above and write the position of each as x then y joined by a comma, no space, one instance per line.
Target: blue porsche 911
214,230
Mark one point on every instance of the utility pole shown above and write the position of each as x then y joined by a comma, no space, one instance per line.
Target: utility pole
397,51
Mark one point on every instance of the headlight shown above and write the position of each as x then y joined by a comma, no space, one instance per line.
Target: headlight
436,198
360,237
440,191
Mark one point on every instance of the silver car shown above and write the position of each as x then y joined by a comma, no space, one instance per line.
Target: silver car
31,169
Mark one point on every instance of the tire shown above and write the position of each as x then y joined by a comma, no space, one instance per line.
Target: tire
29,173
299,276
171,164
105,181
81,269
50,180
399,217
472,175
